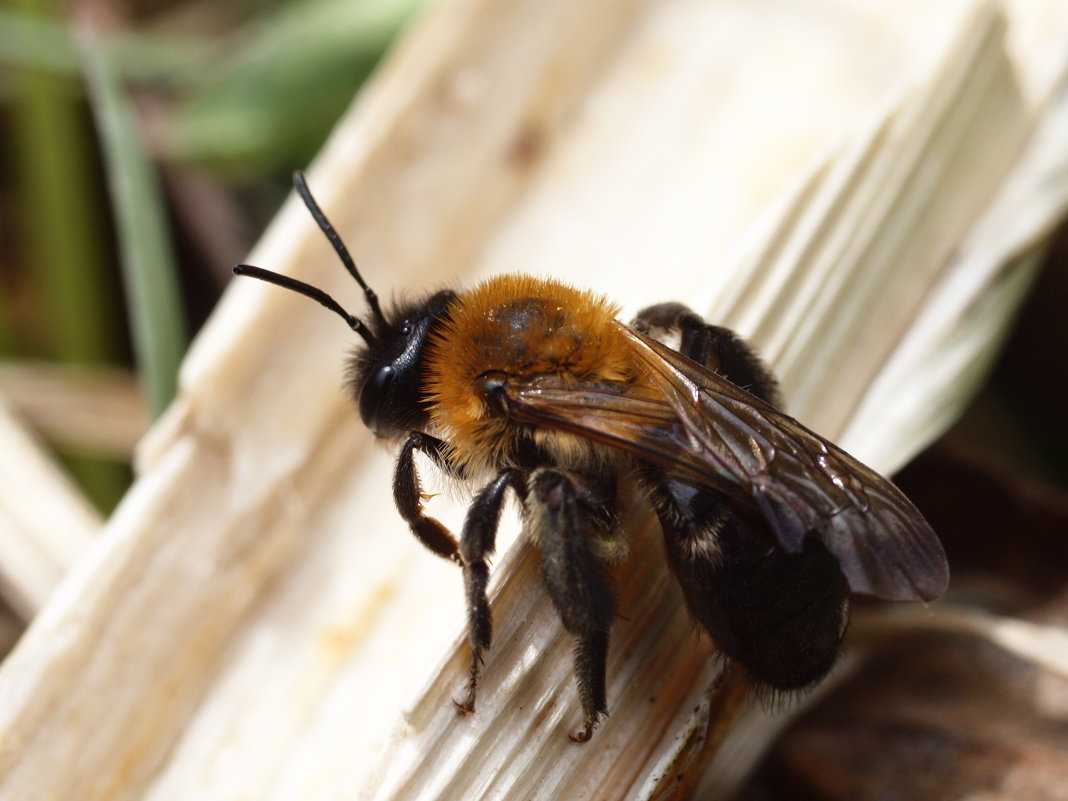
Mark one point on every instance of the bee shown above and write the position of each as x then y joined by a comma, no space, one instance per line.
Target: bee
534,386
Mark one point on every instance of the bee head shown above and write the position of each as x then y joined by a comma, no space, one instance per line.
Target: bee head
386,374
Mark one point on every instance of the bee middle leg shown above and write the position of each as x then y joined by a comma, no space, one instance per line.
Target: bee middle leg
478,541
567,515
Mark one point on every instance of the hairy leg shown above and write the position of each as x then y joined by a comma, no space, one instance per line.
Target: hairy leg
566,516
477,542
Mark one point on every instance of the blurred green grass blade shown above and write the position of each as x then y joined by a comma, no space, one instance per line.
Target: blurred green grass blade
7,333
36,43
58,219
31,42
148,265
60,223
271,104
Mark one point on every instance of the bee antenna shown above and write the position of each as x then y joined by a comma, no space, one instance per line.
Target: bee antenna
339,246
354,322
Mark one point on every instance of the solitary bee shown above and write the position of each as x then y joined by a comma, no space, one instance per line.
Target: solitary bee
532,385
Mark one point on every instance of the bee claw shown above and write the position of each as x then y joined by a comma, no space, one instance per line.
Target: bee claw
463,708
584,734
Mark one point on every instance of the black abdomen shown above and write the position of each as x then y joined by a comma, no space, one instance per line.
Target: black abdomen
780,615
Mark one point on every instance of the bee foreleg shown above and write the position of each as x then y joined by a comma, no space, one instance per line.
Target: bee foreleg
713,346
407,494
478,541
566,517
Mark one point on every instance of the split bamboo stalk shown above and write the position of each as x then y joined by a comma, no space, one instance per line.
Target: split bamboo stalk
45,524
257,623
94,410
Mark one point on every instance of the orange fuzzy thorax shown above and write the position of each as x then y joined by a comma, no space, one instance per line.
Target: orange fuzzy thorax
520,326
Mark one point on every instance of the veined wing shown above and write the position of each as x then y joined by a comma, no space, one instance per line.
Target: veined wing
707,431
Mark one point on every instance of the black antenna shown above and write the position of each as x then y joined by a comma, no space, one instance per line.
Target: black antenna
316,294
339,246
310,291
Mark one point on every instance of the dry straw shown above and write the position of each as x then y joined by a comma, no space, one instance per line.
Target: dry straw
861,187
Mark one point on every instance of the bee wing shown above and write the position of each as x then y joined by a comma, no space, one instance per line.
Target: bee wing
708,431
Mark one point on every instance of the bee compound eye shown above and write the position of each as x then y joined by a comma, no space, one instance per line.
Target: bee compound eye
373,394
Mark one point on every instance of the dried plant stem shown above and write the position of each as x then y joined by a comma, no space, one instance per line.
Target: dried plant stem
86,409
677,775
45,524
258,623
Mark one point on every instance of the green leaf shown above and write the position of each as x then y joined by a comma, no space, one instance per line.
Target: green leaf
272,103
148,264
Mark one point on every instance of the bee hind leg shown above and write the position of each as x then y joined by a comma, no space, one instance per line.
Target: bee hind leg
713,346
477,542
566,514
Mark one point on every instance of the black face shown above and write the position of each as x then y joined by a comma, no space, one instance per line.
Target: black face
387,375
